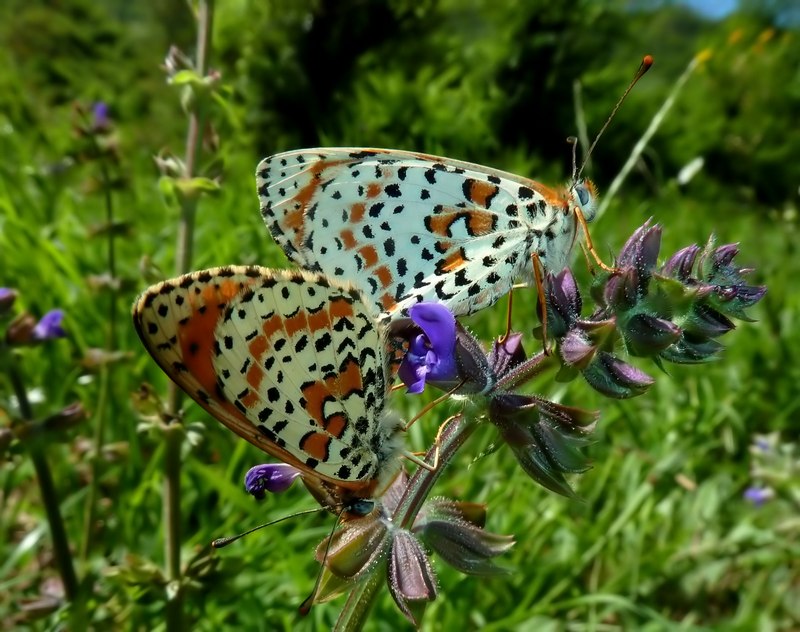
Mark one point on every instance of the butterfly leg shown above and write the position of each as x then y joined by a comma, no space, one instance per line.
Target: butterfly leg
432,467
430,405
589,245
509,307
538,276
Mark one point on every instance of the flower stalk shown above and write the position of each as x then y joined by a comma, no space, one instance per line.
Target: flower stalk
183,258
47,487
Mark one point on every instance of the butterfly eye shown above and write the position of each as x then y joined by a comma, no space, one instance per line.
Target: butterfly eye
361,507
583,195
586,200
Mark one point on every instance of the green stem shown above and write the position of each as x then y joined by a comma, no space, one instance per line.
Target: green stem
183,260
359,602
362,596
103,400
47,489
452,437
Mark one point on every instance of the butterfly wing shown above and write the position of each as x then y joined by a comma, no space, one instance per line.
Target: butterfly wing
406,227
290,362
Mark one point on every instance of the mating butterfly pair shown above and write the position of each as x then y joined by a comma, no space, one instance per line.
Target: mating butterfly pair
296,362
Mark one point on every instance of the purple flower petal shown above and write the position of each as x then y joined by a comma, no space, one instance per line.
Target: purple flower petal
758,495
430,357
269,477
414,367
439,326
100,115
49,326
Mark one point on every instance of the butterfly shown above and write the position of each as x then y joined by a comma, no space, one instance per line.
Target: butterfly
406,227
291,361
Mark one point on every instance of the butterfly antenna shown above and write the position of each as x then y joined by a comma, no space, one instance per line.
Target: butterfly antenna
573,140
221,542
647,63
305,607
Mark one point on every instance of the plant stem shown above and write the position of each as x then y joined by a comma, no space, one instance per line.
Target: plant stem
452,437
47,488
183,260
359,603
361,597
105,404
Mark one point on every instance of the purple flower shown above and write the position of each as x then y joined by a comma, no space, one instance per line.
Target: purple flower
758,495
49,326
762,444
100,119
430,355
269,477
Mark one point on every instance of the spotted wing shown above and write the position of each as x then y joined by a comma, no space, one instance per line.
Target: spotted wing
287,360
406,227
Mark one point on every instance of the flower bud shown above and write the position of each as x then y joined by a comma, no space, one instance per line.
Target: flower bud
641,250
647,335
7,298
463,545
576,350
545,437
621,291
507,354
680,265
692,350
564,302
411,576
355,549
20,330
614,378
705,322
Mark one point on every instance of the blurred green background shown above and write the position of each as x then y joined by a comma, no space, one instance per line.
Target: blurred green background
663,538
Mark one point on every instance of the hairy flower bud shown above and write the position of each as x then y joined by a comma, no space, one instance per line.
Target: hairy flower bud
647,335
614,378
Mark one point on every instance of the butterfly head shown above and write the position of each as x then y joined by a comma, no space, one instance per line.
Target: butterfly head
583,196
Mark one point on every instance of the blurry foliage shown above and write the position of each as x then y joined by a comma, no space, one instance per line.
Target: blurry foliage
479,81
663,537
